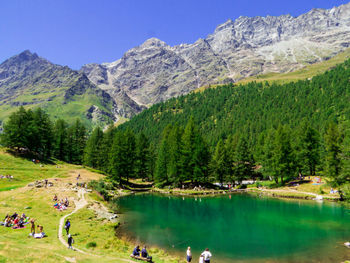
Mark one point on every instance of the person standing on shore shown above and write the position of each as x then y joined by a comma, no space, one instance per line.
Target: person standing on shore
206,255
189,254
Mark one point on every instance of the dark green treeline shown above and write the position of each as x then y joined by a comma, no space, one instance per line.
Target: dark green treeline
33,131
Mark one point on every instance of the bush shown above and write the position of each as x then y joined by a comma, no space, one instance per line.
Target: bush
346,191
101,187
91,244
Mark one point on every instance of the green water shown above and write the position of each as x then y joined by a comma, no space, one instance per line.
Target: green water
239,228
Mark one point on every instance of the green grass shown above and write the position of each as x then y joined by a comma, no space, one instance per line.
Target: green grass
25,171
16,246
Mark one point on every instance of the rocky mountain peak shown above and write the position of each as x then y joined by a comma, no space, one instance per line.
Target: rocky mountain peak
153,42
154,71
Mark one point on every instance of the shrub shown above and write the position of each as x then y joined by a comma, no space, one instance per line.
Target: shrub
91,244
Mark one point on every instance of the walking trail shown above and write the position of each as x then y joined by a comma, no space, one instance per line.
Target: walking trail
79,204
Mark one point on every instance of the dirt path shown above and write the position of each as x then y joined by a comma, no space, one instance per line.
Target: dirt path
79,204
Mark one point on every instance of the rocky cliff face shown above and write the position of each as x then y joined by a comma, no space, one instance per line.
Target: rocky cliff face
27,79
155,71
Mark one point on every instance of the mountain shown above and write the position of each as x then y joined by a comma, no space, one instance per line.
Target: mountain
249,46
29,80
252,109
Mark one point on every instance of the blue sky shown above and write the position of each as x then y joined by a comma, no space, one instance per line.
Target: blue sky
76,32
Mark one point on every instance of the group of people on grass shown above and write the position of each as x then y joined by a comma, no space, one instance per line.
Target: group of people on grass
40,230
7,176
203,258
60,205
15,220
141,253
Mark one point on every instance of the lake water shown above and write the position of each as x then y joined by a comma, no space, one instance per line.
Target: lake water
239,227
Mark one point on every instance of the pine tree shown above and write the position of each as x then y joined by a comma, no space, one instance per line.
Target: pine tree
92,148
142,156
310,147
267,160
18,130
161,167
219,165
77,141
42,135
333,140
105,149
174,155
130,154
60,147
188,148
118,162
244,163
283,154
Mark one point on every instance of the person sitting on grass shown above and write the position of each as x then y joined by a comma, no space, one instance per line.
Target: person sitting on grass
136,251
8,222
40,229
55,198
144,253
13,217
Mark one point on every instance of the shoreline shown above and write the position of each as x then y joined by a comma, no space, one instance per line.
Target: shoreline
275,193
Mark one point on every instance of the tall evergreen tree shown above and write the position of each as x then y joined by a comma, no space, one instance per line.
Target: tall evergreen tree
283,154
92,148
267,160
118,159
188,148
105,149
18,129
310,149
219,165
174,155
130,154
333,140
142,156
42,134
244,163
76,141
60,147
161,167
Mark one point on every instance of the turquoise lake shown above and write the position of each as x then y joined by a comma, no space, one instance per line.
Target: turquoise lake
239,227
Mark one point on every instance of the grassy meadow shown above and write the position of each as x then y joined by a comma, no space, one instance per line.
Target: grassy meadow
16,196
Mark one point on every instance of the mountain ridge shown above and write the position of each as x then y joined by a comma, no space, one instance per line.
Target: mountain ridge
29,80
248,46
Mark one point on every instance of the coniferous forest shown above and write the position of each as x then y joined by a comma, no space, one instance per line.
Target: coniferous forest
224,134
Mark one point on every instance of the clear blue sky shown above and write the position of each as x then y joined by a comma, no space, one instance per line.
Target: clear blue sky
76,32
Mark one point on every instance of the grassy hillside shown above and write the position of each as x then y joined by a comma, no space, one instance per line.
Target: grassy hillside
87,227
